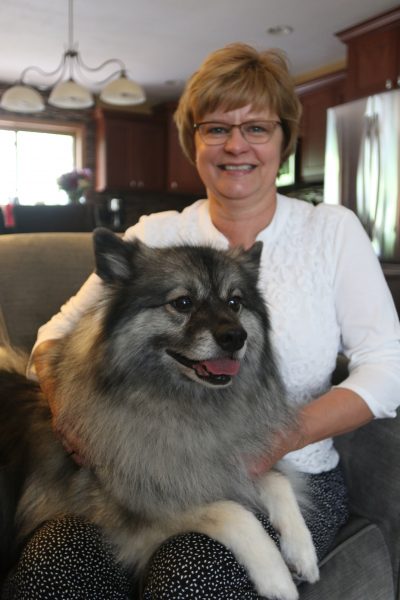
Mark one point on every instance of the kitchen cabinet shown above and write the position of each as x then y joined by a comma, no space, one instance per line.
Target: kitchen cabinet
316,97
181,175
130,152
373,55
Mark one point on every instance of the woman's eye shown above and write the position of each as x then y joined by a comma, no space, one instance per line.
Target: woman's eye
257,128
217,130
182,304
235,303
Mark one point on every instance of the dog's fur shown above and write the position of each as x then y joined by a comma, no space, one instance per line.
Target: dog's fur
149,382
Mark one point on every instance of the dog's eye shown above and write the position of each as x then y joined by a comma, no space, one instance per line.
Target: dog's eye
235,303
182,304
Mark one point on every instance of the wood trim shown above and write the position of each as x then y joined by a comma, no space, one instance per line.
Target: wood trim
386,19
111,113
328,69
78,130
318,82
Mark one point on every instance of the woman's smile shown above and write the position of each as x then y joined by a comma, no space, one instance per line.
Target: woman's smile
237,168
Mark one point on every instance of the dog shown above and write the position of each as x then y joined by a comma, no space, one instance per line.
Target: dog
171,385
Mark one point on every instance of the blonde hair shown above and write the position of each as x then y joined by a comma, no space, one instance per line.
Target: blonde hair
236,76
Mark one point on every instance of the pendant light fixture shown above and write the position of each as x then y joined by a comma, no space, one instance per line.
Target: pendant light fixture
67,91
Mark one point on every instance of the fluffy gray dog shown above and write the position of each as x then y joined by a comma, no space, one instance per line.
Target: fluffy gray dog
170,383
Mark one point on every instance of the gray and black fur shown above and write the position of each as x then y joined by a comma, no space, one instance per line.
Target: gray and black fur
142,382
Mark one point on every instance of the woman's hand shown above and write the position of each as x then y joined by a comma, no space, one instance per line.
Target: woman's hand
338,411
283,443
41,360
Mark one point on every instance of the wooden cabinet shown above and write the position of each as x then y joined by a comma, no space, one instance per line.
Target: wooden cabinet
181,175
130,152
316,97
373,55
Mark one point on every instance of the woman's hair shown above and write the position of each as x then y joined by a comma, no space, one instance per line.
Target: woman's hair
236,76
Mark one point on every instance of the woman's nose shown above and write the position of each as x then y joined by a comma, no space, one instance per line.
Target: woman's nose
235,142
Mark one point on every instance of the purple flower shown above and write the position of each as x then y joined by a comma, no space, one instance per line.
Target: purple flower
75,181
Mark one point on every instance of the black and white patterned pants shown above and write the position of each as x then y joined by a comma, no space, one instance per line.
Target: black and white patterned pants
69,559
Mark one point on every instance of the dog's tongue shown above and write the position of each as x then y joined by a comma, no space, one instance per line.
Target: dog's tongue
222,366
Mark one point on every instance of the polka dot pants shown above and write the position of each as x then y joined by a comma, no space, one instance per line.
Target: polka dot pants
69,559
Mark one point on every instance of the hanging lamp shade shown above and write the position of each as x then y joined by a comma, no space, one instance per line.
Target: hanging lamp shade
69,94
123,92
23,99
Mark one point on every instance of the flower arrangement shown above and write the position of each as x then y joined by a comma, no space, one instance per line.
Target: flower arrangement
75,183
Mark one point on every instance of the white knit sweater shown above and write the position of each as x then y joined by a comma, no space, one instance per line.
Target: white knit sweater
325,291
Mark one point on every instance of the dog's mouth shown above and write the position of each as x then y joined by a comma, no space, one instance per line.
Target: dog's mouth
215,371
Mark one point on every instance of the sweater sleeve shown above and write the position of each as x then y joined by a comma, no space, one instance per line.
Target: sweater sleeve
370,330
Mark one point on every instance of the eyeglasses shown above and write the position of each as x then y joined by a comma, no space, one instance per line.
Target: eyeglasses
254,132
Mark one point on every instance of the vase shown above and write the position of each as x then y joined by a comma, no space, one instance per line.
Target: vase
76,197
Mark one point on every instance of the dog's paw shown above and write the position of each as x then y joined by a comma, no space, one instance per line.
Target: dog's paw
274,580
278,590
299,554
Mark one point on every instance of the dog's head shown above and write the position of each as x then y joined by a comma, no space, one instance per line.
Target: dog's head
193,310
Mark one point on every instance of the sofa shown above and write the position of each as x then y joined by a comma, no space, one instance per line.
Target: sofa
39,271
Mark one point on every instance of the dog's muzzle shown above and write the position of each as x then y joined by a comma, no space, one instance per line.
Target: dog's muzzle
216,371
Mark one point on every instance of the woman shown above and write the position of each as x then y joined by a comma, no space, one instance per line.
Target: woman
238,121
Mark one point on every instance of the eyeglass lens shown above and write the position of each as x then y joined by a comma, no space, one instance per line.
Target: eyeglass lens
254,132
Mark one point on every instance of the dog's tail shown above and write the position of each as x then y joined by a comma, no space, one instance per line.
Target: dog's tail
12,365
12,359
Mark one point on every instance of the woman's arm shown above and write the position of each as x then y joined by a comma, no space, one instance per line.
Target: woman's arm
370,335
338,411
368,320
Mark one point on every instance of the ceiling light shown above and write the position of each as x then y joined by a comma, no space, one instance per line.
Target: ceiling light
280,30
123,91
67,89
22,98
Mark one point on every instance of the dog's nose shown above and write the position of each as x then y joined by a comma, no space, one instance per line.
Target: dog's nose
230,338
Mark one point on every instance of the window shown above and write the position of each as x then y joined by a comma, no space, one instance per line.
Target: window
32,158
287,174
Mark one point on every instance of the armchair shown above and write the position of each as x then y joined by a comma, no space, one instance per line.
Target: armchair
38,272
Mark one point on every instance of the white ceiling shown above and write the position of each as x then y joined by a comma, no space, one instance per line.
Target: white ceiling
164,41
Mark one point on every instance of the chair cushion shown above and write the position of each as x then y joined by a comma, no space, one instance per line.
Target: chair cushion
358,567
38,273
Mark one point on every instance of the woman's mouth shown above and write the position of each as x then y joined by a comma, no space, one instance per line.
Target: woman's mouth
237,168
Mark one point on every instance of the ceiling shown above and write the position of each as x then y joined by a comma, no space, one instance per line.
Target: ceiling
163,41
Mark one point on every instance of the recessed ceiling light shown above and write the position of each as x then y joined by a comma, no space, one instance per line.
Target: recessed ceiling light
174,82
280,30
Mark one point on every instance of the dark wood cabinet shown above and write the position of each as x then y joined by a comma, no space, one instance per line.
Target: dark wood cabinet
130,152
373,55
316,97
181,176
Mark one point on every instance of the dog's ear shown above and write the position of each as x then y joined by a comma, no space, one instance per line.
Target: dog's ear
253,254
113,256
250,258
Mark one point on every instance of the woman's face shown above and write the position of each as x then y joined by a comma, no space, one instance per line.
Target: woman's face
237,169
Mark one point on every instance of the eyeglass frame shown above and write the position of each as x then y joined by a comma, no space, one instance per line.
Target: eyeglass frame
196,127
